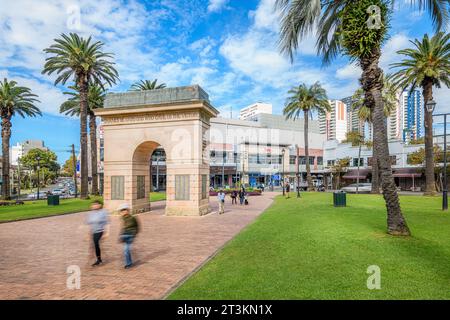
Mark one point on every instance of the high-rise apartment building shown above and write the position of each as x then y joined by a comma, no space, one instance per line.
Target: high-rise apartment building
354,123
334,124
411,104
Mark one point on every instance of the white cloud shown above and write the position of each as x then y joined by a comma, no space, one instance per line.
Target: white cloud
351,71
442,98
265,17
216,5
49,96
389,52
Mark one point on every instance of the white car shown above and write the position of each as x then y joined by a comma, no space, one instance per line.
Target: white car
33,196
362,188
57,192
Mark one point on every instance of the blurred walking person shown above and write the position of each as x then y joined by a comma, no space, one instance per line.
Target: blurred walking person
288,189
98,221
130,228
221,198
241,196
234,195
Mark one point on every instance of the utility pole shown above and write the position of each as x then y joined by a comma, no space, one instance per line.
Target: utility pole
74,170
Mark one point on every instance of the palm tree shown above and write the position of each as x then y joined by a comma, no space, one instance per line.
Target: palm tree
365,114
85,62
356,28
96,98
144,85
306,99
427,64
14,100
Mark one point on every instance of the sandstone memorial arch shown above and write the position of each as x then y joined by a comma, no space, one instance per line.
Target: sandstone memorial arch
135,123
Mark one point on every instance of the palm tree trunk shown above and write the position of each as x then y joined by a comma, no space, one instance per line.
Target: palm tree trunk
93,137
83,85
430,188
305,132
359,165
372,83
375,173
6,136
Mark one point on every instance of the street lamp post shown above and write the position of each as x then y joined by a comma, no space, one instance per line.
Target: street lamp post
445,191
157,174
297,165
282,169
19,178
298,169
223,168
430,108
38,158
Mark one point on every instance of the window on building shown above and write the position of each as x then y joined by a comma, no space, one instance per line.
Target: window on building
319,161
355,162
117,187
212,153
140,187
279,159
311,160
330,163
181,187
292,159
159,155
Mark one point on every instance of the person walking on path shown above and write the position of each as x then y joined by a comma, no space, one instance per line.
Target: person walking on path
288,189
98,221
241,196
234,195
130,228
221,198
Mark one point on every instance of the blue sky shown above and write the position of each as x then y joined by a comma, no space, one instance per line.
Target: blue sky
227,46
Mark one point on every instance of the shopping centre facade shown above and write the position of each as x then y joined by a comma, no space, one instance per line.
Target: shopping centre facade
266,148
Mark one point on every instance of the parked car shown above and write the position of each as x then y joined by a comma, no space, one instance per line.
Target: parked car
33,196
57,192
362,188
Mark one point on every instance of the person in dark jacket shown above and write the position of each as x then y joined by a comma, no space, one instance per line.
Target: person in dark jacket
242,196
234,195
130,228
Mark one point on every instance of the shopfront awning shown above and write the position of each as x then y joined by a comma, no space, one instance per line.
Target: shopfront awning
407,173
353,174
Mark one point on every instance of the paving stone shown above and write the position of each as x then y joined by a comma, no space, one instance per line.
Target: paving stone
35,254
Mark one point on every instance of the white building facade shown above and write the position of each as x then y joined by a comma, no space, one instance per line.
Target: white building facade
254,109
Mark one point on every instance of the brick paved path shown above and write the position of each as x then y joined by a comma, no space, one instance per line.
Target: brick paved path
35,254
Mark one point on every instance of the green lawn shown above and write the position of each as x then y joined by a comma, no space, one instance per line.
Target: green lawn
307,249
37,209
157,196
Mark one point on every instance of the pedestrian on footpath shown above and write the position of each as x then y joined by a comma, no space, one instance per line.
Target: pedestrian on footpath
221,198
288,189
241,196
130,228
234,195
98,221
